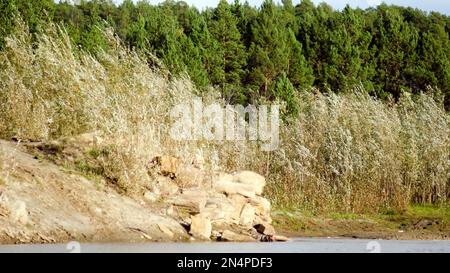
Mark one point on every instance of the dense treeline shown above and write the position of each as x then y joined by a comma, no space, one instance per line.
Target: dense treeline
272,51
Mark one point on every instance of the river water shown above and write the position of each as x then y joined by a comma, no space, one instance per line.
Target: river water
296,245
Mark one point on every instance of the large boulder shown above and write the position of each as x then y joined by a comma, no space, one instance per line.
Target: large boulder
251,178
189,176
200,227
219,208
247,216
165,230
165,186
265,228
262,219
193,200
246,183
228,235
261,204
151,196
168,165
224,184
229,203
238,202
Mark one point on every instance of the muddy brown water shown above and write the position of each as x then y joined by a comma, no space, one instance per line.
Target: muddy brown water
296,245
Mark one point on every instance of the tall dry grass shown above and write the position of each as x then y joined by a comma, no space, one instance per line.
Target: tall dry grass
347,153
355,153
49,90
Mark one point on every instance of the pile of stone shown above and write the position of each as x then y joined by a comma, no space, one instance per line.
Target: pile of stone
213,205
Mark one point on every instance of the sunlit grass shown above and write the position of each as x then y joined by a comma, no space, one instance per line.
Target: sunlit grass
348,153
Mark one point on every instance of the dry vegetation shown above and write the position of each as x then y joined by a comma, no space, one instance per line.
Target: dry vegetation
7,166
345,152
354,153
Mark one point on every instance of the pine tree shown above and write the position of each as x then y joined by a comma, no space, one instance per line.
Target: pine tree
92,38
288,15
346,51
124,18
231,49
137,34
208,46
285,91
433,66
396,42
245,16
268,49
298,71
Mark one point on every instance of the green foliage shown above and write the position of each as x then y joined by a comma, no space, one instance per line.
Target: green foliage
230,53
269,54
299,71
243,50
8,10
285,91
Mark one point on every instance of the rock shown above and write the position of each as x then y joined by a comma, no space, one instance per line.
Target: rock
280,238
221,176
166,186
200,227
262,219
231,236
220,209
215,235
251,178
194,200
141,232
215,214
165,230
98,211
150,196
230,187
188,176
247,215
261,204
238,202
168,165
265,228
18,212
170,211
266,238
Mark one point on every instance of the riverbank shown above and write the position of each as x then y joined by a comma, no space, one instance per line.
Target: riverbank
49,194
416,223
74,205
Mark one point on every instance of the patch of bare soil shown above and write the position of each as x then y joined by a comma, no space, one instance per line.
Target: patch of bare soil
41,202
